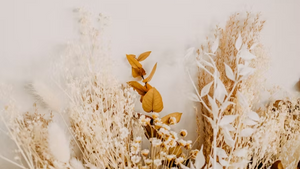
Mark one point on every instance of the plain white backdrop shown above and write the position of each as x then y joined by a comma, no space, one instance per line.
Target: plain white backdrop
33,32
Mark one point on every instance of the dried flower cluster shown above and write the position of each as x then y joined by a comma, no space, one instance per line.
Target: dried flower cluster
167,149
41,143
279,131
236,134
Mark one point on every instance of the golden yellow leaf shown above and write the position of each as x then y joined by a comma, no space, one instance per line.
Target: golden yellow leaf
141,99
142,71
135,72
138,87
133,62
138,72
132,55
143,56
151,74
152,101
177,115
277,165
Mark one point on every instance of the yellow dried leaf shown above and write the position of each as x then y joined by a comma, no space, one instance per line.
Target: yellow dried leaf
135,72
143,56
133,62
148,79
142,71
152,101
141,99
138,72
138,87
166,118
132,55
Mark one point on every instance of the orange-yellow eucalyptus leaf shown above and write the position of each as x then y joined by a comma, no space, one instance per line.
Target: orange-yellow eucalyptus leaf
143,56
152,101
138,87
133,62
148,79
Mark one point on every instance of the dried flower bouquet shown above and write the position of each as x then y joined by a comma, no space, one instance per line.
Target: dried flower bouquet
236,133
101,129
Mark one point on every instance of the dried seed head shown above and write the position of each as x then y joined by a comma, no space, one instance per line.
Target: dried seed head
183,133
181,142
145,152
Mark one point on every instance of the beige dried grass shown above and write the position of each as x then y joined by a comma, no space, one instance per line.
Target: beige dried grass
249,27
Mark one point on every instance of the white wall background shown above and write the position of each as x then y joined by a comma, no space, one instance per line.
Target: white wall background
32,32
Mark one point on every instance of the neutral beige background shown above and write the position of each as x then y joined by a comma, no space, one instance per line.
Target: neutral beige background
33,32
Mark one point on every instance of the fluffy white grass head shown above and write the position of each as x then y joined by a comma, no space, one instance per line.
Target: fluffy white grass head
76,164
58,143
46,95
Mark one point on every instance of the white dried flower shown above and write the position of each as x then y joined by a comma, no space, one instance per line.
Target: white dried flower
163,154
145,152
155,115
179,160
148,161
135,159
158,125
143,120
163,131
135,148
157,120
156,142
174,135
138,139
166,127
172,120
172,143
181,142
124,132
170,157
157,162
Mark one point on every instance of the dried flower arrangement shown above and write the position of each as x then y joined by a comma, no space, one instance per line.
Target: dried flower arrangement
229,82
166,149
107,133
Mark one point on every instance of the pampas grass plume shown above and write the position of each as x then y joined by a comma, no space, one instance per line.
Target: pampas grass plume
46,95
58,143
76,164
